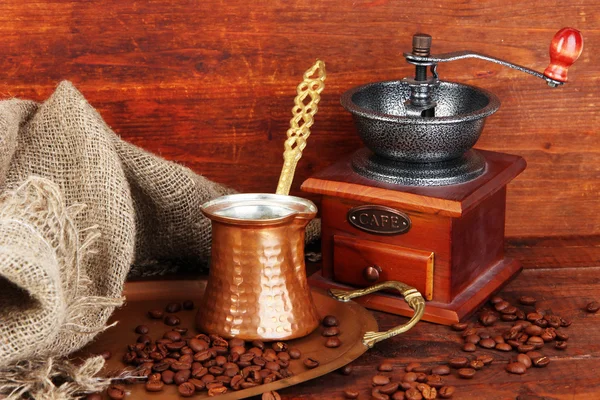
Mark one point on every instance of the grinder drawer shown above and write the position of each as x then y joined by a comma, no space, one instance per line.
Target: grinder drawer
363,263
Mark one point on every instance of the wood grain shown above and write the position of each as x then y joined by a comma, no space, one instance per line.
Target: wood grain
210,84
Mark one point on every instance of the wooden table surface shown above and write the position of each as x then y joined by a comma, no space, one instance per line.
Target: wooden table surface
573,373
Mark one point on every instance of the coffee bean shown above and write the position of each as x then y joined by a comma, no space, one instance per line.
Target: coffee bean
516,368
461,326
413,394
560,345
440,370
410,377
501,305
476,364
173,336
553,320
351,394
547,335
180,330
565,322
524,359
330,320
592,307
385,367
534,330
469,347
380,380
520,314
509,317
466,373
510,310
206,378
541,322
422,368
333,342
198,384
469,331
527,300
377,395
116,392
458,362
411,366
142,329
155,314
435,381
533,354
488,319
524,348
294,353
472,339
346,369
523,338
167,376
188,305
484,335
186,389
182,376
388,389
153,385
562,336
487,343
172,320
486,359
145,339
540,362
428,392
331,331
311,363
271,396
198,345
446,392
173,307
279,346
534,316
536,341
398,396
496,299
93,396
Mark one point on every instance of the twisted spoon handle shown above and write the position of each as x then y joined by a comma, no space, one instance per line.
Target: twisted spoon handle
305,108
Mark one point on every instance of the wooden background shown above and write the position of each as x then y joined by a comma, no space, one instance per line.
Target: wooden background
210,83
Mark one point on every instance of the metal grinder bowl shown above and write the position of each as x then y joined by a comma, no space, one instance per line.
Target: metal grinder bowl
381,122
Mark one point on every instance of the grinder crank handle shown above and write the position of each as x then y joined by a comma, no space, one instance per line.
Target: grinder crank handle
411,296
565,48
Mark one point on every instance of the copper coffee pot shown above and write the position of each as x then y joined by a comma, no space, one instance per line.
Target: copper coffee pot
257,287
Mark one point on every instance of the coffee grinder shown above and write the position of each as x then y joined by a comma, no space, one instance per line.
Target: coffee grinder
418,204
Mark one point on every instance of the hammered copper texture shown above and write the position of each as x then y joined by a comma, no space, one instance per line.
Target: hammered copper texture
257,286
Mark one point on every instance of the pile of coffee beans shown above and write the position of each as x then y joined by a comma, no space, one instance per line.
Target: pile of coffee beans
416,383
208,362
532,329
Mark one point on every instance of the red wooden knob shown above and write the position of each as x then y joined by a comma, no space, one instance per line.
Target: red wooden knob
565,48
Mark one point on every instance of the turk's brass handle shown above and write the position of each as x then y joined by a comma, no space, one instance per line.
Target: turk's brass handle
411,295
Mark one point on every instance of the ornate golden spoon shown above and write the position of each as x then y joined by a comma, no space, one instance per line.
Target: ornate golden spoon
305,108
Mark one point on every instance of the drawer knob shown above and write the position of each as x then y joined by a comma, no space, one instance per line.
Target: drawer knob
371,273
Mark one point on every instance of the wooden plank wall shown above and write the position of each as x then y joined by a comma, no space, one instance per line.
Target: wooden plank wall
210,83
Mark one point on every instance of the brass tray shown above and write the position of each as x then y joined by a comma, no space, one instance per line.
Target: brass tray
141,297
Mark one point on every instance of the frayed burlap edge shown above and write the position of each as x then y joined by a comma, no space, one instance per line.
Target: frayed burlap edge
47,378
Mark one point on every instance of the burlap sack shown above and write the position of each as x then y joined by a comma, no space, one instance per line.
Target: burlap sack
78,207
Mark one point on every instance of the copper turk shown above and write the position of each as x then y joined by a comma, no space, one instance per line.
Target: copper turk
257,287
